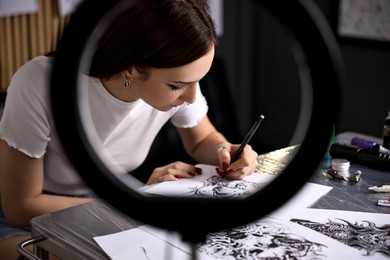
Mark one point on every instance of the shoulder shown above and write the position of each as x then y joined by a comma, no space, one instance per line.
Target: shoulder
37,66
32,76
30,85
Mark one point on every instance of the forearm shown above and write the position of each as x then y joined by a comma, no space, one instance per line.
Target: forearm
21,213
206,150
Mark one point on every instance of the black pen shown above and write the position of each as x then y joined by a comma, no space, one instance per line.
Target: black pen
247,138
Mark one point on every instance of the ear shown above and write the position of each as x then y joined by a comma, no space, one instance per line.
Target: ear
130,73
127,73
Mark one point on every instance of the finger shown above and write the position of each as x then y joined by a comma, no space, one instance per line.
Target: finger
241,173
224,157
245,165
197,170
180,173
246,170
190,169
166,177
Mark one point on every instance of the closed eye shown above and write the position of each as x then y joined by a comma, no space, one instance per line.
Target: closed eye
176,87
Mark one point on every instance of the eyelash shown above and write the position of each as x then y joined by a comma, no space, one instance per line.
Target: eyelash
176,88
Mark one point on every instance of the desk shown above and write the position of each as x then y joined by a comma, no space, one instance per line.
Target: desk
349,196
69,233
346,195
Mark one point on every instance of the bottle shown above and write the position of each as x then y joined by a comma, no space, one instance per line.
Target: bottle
369,145
361,156
386,132
327,158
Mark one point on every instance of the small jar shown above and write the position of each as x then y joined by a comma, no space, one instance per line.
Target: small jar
341,166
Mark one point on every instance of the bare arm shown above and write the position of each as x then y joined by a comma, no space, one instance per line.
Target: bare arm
203,141
21,188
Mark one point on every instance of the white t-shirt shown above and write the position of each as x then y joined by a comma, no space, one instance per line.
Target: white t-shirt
126,129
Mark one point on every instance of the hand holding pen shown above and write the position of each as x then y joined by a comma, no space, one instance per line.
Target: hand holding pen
249,160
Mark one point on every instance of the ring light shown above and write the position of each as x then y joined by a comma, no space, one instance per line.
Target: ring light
194,218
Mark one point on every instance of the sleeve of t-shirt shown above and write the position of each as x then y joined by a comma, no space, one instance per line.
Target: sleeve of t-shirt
26,123
190,115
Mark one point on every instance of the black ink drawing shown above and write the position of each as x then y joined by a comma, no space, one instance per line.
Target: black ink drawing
143,249
211,185
218,187
365,236
265,239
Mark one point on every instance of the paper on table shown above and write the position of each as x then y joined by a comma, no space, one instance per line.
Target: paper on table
138,244
272,238
308,195
365,231
305,197
209,184
264,239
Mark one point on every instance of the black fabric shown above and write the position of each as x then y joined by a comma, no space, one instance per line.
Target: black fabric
222,110
2,102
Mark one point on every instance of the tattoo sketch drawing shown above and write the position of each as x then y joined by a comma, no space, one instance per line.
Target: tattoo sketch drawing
218,187
209,184
269,238
363,235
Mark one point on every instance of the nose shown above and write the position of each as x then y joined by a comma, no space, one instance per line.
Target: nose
189,95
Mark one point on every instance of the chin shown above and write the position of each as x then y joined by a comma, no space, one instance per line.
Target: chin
164,109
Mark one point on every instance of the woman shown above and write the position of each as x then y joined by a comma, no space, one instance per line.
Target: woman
144,73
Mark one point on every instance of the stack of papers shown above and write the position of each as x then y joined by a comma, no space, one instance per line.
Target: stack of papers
293,231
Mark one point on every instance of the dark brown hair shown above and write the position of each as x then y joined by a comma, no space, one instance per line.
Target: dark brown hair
155,34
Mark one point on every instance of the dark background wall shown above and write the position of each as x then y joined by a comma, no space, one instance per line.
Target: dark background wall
367,66
263,74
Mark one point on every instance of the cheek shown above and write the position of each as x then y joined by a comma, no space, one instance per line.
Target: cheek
157,94
164,97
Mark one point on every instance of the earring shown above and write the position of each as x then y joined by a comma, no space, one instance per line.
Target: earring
126,82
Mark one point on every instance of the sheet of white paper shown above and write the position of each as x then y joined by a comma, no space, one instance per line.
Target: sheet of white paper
173,238
268,238
209,184
278,237
272,238
139,244
305,197
309,194
367,232
17,7
272,235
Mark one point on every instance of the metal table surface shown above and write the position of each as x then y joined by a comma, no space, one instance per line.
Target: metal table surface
347,195
69,233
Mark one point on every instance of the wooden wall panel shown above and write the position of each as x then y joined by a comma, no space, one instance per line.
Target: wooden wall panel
26,36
